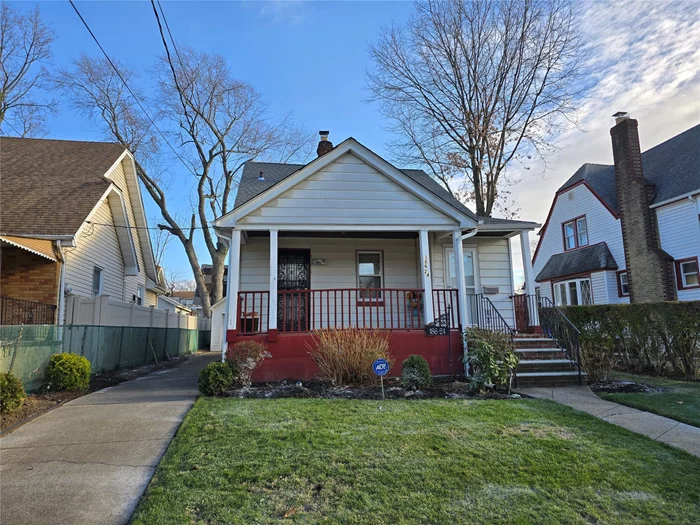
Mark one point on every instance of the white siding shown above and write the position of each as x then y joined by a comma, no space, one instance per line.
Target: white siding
602,227
350,192
494,268
679,229
96,246
217,326
118,176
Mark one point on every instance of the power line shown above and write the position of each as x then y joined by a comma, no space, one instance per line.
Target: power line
136,227
129,88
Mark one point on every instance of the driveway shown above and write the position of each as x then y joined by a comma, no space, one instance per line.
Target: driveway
89,461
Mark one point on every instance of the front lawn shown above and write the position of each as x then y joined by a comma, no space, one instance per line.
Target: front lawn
399,462
681,403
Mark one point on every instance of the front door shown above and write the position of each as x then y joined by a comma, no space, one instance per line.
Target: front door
471,279
293,284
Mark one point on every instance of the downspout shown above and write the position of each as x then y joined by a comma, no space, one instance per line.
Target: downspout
465,347
61,284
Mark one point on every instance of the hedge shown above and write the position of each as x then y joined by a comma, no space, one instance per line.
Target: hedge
653,338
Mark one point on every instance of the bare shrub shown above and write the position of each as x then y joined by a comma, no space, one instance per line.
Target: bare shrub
345,356
244,357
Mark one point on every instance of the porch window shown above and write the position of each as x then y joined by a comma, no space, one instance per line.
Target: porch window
623,286
96,281
687,273
370,277
573,293
575,233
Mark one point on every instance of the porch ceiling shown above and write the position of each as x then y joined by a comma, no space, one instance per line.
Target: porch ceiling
41,247
340,234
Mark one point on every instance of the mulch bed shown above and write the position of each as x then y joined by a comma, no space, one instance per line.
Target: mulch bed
618,386
443,388
40,402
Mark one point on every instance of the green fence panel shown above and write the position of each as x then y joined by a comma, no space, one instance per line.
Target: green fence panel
25,350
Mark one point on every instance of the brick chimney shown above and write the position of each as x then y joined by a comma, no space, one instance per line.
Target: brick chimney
649,268
324,145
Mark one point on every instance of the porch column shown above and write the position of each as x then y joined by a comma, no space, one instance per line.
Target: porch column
529,277
458,247
427,277
272,301
233,278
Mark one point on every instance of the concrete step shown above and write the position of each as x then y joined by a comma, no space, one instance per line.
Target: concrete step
525,379
541,362
539,353
533,342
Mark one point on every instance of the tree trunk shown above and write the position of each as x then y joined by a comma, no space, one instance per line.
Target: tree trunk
218,261
202,292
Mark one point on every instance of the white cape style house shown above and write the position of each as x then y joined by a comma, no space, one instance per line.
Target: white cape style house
349,240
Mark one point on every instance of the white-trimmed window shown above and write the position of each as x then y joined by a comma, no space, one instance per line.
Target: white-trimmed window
370,274
688,273
574,292
623,285
575,233
97,281
139,295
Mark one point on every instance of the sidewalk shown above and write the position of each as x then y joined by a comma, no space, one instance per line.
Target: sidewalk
659,428
89,461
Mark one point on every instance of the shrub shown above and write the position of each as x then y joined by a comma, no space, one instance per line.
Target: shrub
492,358
216,379
345,357
415,372
244,357
68,372
655,338
12,394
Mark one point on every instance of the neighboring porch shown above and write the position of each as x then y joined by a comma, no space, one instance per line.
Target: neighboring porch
29,281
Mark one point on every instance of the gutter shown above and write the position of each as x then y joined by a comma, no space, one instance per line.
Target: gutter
693,196
61,285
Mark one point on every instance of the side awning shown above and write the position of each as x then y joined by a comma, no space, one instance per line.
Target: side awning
581,260
41,247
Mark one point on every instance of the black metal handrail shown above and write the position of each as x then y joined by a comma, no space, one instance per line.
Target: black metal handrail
557,326
18,311
485,315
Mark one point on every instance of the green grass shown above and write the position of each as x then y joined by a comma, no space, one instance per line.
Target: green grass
682,403
428,462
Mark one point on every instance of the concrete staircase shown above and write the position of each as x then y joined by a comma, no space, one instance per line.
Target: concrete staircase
543,363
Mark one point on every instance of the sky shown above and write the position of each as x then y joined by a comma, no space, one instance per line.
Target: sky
310,59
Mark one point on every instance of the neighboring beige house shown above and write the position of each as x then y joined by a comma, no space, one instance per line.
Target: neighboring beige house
72,221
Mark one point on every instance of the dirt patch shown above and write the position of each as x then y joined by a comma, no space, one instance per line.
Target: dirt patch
43,401
618,386
441,388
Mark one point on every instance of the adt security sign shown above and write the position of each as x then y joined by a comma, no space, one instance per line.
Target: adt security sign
381,367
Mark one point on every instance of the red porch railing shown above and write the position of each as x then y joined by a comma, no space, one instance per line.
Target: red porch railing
308,310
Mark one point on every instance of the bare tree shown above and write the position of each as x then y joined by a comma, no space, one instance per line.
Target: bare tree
184,286
216,124
472,87
159,240
25,44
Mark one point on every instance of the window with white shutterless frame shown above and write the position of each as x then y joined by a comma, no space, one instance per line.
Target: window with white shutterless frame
370,274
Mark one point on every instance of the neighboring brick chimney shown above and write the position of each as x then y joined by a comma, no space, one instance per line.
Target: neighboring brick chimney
324,145
649,268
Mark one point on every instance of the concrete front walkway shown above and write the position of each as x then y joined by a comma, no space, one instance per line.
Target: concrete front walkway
660,428
89,461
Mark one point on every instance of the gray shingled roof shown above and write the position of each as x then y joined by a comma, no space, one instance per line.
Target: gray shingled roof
673,166
589,259
48,187
250,186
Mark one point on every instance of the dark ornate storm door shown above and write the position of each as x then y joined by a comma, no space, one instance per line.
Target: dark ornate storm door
293,283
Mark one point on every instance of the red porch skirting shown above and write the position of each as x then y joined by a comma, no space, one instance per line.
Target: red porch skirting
290,354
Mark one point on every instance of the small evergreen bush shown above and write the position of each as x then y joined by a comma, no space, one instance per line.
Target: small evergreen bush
492,358
68,372
415,372
12,393
244,357
216,379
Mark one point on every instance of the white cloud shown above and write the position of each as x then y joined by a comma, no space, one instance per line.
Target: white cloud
648,59
288,12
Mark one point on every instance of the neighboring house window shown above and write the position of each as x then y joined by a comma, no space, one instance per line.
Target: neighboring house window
687,273
139,295
623,286
575,233
370,274
96,281
573,293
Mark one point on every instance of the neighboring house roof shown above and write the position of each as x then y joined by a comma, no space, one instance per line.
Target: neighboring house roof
589,259
184,294
251,186
49,187
673,166
172,302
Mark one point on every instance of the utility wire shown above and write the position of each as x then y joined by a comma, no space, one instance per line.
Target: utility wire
129,88
135,227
